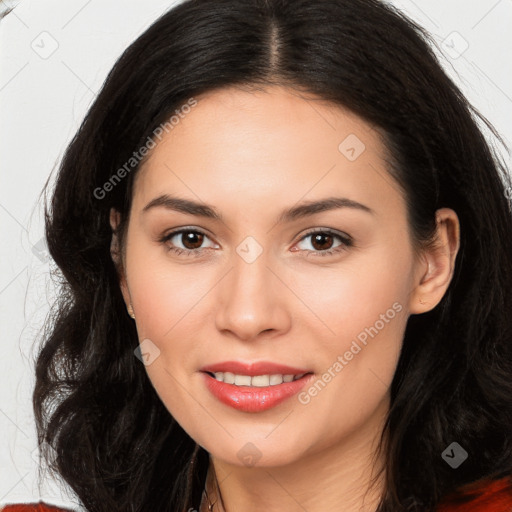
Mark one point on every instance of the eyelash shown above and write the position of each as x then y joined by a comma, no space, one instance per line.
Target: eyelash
346,242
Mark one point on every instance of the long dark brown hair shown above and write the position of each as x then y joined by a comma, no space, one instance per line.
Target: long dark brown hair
115,443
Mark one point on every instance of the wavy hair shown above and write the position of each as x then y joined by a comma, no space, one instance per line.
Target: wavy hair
114,442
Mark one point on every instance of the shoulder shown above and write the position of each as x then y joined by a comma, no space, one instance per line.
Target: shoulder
482,496
32,507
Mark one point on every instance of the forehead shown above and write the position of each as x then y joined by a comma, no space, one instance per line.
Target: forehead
259,143
249,119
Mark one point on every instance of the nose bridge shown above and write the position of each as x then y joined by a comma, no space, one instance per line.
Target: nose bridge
249,284
249,302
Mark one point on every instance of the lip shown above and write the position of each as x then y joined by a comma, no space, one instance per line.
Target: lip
250,398
253,369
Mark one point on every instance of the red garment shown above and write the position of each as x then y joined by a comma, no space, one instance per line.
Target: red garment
490,497
33,507
495,496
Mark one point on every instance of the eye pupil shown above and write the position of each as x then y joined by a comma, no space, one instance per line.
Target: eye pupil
318,238
188,237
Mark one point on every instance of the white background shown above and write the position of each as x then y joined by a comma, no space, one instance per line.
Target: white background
43,99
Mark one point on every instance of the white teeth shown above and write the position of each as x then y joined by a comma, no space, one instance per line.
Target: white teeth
242,380
275,379
229,378
260,381
256,381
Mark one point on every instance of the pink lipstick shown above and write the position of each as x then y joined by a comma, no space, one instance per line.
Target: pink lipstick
254,387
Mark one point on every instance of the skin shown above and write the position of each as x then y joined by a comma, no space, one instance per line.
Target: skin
252,155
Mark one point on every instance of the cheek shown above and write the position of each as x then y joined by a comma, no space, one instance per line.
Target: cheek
163,291
363,311
167,302
356,365
357,293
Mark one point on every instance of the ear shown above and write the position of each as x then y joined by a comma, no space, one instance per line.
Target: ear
435,270
115,252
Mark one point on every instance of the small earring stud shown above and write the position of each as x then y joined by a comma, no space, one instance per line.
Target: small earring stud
130,310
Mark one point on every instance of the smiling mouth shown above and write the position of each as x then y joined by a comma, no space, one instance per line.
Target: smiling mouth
254,393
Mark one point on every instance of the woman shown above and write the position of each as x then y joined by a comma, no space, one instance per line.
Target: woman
288,273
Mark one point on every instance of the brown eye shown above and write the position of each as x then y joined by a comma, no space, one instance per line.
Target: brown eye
322,242
186,241
191,239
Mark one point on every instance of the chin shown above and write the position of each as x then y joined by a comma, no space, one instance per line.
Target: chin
255,452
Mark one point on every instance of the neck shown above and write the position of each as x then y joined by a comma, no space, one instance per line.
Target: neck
340,474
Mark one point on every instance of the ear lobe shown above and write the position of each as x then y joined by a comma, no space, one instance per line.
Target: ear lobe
115,218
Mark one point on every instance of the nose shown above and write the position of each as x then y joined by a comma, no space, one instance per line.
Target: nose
251,300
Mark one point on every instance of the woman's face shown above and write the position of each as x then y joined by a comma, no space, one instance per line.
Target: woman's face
255,284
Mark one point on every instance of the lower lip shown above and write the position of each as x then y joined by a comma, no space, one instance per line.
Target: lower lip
251,398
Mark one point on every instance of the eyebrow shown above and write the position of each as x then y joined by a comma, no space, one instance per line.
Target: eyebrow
296,212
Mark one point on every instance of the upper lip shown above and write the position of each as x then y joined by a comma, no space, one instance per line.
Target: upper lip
254,368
